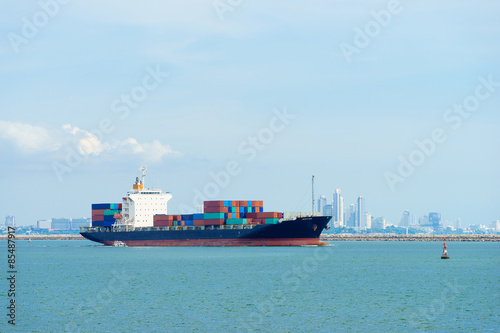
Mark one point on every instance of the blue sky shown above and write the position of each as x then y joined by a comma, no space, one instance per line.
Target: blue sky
220,82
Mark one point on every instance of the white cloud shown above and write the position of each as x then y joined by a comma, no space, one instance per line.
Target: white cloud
37,139
28,138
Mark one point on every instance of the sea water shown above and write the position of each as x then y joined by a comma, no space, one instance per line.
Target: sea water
80,286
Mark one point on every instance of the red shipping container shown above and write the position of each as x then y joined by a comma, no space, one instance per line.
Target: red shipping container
257,203
163,218
264,215
98,211
215,209
119,206
163,223
235,203
213,204
243,203
280,215
214,222
198,222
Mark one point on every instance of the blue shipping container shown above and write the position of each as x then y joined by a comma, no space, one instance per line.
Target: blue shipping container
101,206
261,209
198,216
228,203
188,222
188,217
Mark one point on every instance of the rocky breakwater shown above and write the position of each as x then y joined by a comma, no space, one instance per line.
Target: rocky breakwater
410,238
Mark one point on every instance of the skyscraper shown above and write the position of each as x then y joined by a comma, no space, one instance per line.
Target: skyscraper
321,203
327,211
338,208
405,220
360,213
351,216
434,220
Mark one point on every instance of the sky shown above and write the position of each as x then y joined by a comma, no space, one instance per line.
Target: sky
395,101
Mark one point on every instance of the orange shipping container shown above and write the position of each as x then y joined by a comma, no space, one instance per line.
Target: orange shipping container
98,211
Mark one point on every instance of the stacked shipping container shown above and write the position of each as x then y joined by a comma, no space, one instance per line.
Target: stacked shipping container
222,213
103,215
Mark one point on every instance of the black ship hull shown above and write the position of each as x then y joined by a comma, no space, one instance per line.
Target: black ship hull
299,232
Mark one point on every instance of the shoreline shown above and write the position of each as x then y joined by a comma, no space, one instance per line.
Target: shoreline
411,238
324,237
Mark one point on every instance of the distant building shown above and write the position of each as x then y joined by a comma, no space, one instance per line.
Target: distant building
495,225
328,211
368,221
435,220
408,219
44,224
81,222
405,220
477,227
321,203
10,221
351,216
338,208
424,220
61,224
379,223
360,213
458,223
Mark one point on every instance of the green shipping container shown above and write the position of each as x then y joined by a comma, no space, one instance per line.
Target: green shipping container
271,221
112,212
236,221
213,216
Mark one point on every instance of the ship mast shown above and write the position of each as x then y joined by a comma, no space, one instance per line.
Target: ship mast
143,169
313,211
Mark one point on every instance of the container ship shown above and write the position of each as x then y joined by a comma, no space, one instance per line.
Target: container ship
141,219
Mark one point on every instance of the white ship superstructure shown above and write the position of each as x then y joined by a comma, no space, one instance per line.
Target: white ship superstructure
140,205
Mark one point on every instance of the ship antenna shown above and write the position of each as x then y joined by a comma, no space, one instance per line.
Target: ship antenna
313,212
143,169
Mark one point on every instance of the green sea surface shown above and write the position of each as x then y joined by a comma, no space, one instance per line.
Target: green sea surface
80,286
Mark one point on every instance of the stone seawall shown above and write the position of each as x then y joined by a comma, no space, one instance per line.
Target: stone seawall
412,238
